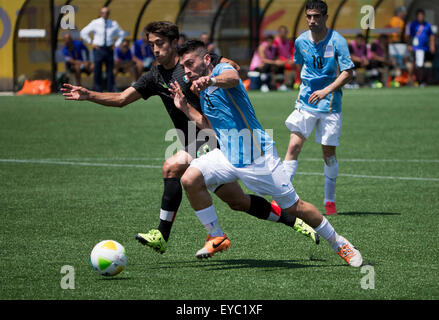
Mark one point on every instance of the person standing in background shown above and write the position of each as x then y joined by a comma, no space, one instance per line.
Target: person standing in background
326,64
422,44
104,32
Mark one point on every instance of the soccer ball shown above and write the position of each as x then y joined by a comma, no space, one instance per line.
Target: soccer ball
108,258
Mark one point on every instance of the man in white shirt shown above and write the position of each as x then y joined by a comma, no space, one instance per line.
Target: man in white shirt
104,32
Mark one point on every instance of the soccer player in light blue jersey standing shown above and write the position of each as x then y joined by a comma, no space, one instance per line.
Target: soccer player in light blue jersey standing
326,65
246,153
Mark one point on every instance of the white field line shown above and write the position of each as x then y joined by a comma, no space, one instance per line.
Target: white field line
74,163
147,166
300,159
371,177
377,160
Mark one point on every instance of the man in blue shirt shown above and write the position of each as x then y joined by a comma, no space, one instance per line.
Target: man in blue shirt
124,62
143,55
423,44
74,59
246,153
326,65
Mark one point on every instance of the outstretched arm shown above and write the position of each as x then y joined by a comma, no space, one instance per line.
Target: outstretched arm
181,103
109,99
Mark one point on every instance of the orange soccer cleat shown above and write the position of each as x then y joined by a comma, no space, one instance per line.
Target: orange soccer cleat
212,246
350,254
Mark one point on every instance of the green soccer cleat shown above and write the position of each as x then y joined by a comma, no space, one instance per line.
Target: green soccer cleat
301,227
153,239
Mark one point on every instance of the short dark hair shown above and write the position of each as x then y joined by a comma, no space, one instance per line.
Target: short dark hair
191,46
319,5
165,29
269,36
418,11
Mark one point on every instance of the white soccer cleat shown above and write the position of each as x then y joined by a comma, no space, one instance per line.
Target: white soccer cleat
264,88
350,254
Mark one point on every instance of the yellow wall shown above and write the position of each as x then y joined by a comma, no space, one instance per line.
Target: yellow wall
8,17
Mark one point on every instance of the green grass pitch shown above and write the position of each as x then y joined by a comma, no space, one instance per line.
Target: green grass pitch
73,174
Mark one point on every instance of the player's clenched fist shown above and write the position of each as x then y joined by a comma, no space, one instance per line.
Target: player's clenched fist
201,83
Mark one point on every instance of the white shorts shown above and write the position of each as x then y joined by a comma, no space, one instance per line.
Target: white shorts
328,125
265,176
419,58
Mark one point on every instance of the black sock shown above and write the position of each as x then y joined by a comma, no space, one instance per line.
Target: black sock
287,219
171,199
261,208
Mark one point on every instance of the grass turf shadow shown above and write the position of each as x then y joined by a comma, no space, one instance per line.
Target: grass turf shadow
359,213
114,278
268,265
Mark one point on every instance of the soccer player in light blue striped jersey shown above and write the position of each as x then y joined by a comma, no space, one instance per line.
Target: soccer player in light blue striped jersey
246,153
326,65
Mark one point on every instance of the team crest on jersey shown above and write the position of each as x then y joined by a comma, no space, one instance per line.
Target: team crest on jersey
186,79
329,51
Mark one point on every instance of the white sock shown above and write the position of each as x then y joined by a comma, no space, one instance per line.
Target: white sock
327,232
210,221
290,168
330,185
331,173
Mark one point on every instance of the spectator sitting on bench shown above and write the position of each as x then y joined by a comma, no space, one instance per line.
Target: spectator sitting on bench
266,60
358,50
73,56
380,58
143,55
124,61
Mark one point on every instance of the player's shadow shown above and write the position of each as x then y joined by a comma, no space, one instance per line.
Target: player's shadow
115,278
233,264
362,213
266,265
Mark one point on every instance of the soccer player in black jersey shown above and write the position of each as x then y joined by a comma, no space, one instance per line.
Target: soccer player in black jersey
163,37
